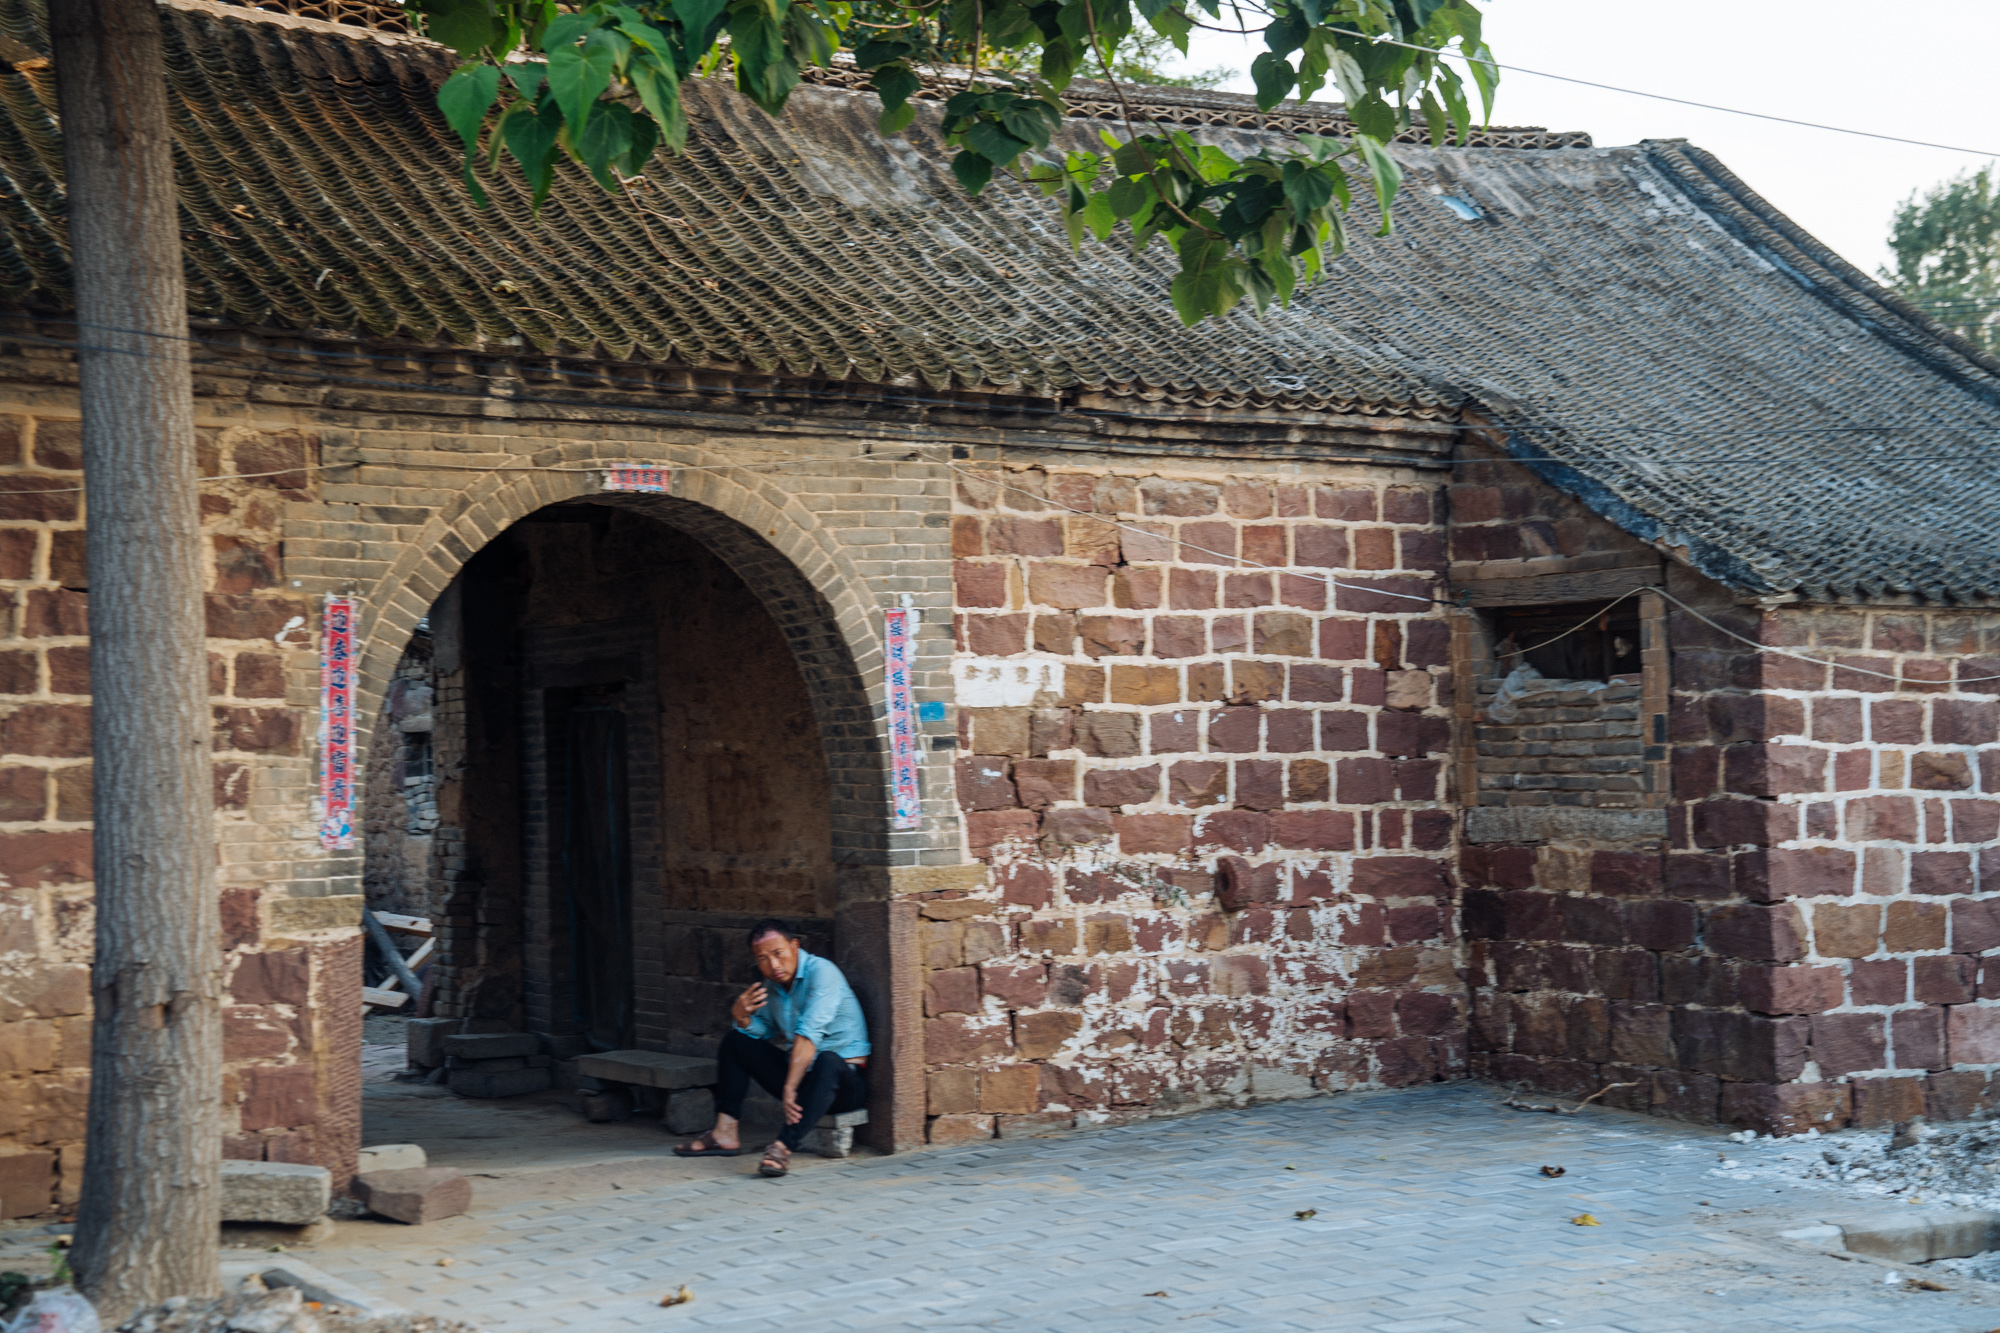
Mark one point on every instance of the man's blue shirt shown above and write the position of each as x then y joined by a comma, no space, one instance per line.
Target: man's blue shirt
819,1005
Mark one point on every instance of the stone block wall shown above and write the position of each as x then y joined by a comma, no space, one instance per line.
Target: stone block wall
1808,944
1568,743
1210,788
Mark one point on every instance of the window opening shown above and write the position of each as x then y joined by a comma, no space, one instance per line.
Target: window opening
1571,641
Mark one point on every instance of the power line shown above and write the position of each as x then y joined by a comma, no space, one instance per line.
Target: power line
1663,97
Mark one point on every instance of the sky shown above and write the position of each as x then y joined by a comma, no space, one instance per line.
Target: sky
1838,62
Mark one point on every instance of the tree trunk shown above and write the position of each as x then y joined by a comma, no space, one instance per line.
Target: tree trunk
148,1227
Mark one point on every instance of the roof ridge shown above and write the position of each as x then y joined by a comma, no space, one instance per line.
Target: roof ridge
1844,286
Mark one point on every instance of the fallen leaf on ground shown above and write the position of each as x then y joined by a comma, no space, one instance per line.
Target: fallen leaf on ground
1304,1213
1152,1293
446,1262
1584,1220
1553,1171
681,1297
1925,1284
1290,1167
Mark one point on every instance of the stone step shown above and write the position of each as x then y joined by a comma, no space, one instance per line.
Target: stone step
648,1069
285,1192
833,1136
492,1045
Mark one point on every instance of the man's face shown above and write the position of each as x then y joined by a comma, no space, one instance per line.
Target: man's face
777,958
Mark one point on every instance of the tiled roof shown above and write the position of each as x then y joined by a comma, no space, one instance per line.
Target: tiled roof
1627,312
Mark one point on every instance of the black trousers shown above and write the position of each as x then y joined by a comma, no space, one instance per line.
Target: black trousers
831,1086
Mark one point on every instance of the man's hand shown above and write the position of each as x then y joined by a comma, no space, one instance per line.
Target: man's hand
793,1112
748,1003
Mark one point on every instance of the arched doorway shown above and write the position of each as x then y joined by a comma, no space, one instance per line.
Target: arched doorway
626,731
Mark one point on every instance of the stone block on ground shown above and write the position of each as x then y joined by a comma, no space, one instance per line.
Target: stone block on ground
492,1045
427,1194
648,1069
497,1082
284,1192
833,1136
391,1157
425,1040
689,1111
1916,1236
602,1108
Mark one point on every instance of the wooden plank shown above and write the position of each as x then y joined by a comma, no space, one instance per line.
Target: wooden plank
408,925
1545,589
383,998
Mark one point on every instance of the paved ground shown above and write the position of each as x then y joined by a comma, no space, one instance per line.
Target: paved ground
1430,1214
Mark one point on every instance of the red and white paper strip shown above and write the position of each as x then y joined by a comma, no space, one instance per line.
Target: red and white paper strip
336,725
902,720
639,477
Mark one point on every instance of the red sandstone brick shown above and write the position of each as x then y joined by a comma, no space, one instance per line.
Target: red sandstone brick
1207,544
1121,786
1063,829
1140,835
1308,780
996,636
1882,819
1945,978
1314,830
1238,830
1790,1108
1973,1033
1917,1038
1234,730
1198,782
1139,589
1755,931
988,829
1912,927
979,584
1772,989
278,1098
1363,781
1040,783
1933,771
1068,586
1896,722
1879,981
1399,876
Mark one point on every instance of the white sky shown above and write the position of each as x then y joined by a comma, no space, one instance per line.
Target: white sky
1807,59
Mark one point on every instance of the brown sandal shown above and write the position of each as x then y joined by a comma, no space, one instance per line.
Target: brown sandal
706,1146
777,1160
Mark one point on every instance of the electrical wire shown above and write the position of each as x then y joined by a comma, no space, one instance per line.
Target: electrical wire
1663,97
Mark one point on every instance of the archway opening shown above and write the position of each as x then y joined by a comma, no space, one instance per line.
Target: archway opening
603,758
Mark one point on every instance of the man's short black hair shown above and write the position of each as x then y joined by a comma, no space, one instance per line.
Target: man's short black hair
770,925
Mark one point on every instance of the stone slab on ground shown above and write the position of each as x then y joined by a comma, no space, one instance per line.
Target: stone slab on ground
426,1194
833,1136
424,1038
391,1157
689,1111
313,1283
497,1082
491,1045
648,1069
1916,1236
284,1192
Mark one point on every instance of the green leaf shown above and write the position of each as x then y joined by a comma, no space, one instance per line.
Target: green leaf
465,97
531,137
466,26
1204,285
659,92
972,170
893,84
1387,175
1274,78
606,137
1099,216
1030,120
527,77
700,21
1308,188
1372,116
578,75
993,143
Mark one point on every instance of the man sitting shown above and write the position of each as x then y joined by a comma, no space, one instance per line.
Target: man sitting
802,1038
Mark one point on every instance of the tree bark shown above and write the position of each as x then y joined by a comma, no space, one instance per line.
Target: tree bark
148,1225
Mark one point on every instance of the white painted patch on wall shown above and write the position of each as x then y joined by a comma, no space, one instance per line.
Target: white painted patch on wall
1004,682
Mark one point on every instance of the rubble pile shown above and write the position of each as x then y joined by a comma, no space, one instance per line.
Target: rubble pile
1955,1165
252,1309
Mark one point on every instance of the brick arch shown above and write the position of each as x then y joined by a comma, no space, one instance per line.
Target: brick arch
758,529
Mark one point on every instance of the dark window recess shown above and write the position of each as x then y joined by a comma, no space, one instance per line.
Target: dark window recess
1574,641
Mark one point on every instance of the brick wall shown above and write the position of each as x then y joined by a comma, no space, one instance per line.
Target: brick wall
1806,945
1210,794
